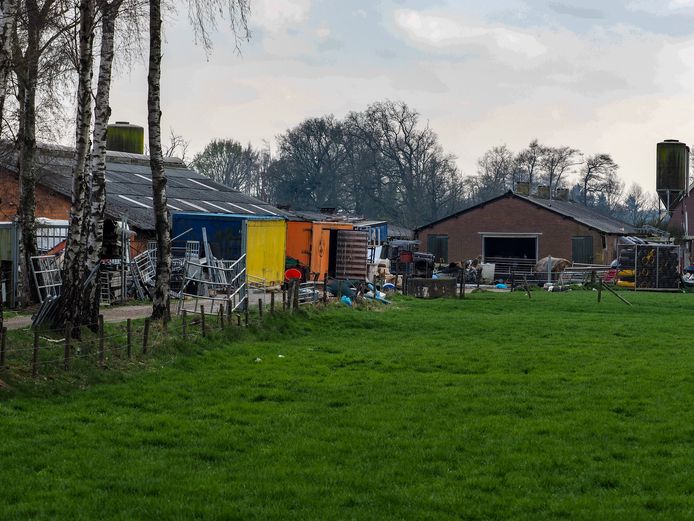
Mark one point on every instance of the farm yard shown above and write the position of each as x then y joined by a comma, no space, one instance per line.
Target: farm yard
493,407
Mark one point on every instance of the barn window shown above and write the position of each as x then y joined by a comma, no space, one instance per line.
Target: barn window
438,247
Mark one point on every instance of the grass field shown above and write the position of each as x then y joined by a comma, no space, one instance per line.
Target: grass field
495,407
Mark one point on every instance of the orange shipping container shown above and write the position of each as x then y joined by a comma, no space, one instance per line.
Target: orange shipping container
309,243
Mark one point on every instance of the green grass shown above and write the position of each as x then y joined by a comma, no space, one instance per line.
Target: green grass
495,407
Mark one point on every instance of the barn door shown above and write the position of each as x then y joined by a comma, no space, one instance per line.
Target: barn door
582,249
438,247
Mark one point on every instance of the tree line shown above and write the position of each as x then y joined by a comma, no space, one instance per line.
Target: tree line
385,162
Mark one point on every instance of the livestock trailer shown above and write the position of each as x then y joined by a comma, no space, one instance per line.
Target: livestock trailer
230,236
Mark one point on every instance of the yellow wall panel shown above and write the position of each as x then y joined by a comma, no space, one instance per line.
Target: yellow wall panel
265,250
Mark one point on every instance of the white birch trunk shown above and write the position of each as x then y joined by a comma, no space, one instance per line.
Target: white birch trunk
160,301
75,253
102,113
8,13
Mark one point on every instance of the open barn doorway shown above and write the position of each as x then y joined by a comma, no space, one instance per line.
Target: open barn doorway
510,253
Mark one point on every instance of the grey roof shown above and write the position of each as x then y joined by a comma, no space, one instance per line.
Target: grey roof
129,187
584,214
575,211
395,230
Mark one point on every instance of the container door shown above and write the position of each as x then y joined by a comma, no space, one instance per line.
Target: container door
265,250
350,254
582,249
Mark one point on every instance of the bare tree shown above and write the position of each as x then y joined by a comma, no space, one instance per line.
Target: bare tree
556,162
8,14
177,147
528,163
227,162
594,172
37,32
495,170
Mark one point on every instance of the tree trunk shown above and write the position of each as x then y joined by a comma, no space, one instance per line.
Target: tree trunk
27,83
8,12
75,252
102,113
163,231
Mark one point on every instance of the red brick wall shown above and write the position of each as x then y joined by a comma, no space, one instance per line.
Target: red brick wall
48,203
512,215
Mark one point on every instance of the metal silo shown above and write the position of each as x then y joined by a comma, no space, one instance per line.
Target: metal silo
672,171
124,137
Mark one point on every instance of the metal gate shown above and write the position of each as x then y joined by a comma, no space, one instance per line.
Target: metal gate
582,249
351,254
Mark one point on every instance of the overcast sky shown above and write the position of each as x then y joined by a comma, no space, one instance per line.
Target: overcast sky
612,76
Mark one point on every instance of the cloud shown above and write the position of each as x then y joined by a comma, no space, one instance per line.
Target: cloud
274,15
445,32
578,12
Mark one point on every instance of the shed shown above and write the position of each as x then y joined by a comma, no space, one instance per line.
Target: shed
519,229
261,239
309,243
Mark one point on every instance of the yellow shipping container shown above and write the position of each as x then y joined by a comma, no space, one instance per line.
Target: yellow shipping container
265,250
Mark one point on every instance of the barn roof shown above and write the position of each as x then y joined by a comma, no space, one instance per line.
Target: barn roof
129,187
570,209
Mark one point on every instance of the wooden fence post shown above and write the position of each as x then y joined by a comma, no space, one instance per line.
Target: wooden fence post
221,317
245,315
229,307
145,336
202,321
272,303
260,309
325,288
284,298
296,295
238,319
129,329
66,352
184,322
101,340
35,356
3,347
599,293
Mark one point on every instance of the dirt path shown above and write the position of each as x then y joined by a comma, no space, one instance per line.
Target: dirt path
114,314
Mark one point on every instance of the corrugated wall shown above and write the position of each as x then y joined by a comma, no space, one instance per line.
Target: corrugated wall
265,249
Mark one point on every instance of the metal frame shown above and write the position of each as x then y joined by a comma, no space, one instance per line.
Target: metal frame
226,278
47,277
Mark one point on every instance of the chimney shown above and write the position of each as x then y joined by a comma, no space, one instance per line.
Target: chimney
328,210
562,194
522,188
543,192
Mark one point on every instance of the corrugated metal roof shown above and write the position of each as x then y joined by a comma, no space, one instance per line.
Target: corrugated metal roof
576,211
129,187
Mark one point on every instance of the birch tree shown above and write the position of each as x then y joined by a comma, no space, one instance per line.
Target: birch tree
75,251
203,16
8,14
102,112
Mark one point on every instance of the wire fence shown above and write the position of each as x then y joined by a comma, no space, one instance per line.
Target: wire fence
45,352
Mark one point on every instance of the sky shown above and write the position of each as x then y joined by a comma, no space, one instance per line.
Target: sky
603,76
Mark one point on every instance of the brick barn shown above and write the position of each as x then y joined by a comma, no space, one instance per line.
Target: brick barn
514,229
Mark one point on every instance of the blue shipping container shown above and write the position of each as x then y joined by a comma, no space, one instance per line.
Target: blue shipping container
224,232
